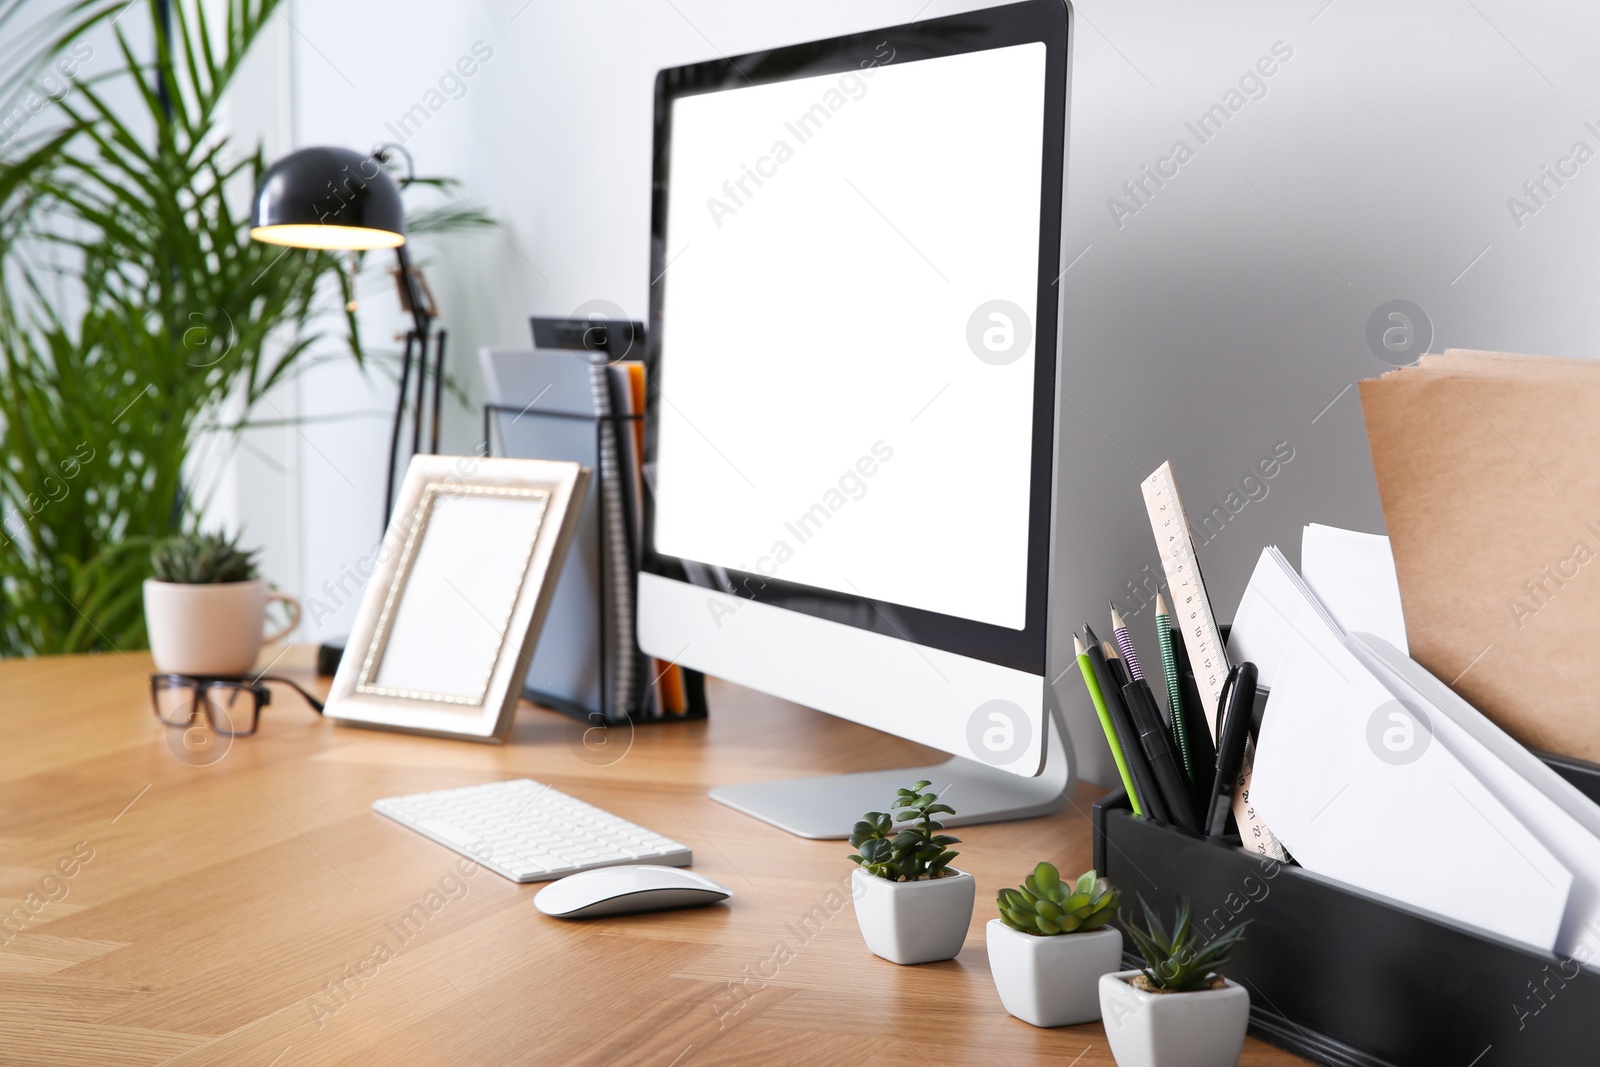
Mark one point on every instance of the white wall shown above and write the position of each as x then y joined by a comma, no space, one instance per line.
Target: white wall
1222,317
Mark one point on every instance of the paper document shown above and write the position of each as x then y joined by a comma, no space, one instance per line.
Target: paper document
1275,602
1353,575
1551,807
1358,791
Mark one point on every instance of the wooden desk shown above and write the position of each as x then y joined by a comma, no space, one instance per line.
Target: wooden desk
246,912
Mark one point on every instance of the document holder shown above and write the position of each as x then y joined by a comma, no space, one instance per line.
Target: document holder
1344,977
585,570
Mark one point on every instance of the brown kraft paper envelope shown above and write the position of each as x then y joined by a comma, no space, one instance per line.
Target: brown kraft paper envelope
1491,494
1513,365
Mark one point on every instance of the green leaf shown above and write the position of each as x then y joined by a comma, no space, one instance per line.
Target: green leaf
1046,877
1075,902
127,193
1179,962
1017,920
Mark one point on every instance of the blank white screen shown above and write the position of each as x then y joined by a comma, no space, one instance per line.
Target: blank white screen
820,282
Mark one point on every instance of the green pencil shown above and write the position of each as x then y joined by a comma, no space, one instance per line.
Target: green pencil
1105,721
1169,667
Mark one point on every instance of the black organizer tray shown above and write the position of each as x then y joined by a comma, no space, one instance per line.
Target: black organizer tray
1344,977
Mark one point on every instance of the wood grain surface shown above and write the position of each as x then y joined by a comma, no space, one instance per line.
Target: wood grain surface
253,910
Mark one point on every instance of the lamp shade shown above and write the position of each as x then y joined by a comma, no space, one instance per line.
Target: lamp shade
328,198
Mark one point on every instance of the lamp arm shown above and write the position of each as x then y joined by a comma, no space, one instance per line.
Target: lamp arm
421,321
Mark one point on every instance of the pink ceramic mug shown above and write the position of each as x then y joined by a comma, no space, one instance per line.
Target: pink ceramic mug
211,629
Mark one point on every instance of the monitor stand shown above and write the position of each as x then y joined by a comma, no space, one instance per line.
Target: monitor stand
828,807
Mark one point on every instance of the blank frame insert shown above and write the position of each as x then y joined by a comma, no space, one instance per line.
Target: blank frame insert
463,564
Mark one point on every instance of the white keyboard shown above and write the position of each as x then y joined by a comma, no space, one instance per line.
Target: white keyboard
528,832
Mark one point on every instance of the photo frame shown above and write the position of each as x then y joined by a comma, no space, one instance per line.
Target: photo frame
458,593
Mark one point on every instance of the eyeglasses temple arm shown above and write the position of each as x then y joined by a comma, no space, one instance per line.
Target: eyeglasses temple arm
297,687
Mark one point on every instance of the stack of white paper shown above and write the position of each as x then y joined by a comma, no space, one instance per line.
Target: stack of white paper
1550,807
1352,574
1372,771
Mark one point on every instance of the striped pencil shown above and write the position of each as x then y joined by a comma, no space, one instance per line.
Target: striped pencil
1119,630
1169,667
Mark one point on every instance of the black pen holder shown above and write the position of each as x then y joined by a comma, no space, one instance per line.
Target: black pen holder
1345,977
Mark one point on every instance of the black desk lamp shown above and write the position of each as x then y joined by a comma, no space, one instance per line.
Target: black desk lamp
336,200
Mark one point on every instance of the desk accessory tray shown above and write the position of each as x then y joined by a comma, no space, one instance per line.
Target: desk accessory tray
1345,977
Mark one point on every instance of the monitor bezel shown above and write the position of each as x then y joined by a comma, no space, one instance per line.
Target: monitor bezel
1042,21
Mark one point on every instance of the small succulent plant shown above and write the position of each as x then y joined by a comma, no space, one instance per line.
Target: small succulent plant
1047,906
1178,963
201,559
911,851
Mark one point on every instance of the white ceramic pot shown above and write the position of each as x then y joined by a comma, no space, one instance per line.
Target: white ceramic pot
1202,1029
914,922
1051,981
211,629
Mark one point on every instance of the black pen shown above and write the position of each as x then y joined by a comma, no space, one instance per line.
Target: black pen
1119,669
1235,712
1132,749
1158,750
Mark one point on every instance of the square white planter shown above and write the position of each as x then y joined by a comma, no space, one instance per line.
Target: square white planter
1202,1029
1051,981
914,922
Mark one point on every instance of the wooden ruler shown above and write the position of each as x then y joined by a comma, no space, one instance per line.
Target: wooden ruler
1208,658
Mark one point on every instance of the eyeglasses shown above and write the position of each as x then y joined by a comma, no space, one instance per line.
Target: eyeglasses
230,706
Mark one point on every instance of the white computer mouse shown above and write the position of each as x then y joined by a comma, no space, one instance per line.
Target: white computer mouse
626,889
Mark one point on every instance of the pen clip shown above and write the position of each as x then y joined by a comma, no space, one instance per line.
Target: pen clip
1225,698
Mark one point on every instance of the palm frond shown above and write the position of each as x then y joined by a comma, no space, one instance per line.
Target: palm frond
133,303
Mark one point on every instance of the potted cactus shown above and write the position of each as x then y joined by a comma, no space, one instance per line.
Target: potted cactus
911,905
1176,1011
1051,944
205,606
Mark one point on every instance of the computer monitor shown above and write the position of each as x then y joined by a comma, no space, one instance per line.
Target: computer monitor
854,350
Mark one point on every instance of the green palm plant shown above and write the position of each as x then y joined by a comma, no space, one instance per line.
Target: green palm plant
132,303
